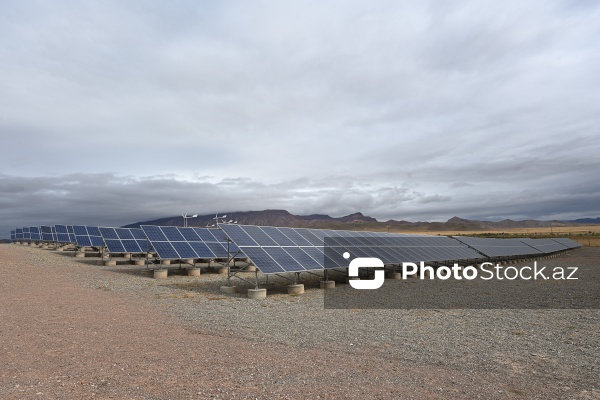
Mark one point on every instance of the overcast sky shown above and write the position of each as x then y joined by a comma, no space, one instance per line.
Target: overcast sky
112,112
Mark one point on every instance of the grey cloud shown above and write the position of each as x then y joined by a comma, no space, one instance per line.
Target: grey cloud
107,199
413,110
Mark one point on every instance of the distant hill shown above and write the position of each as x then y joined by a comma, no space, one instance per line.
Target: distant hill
266,218
586,221
356,221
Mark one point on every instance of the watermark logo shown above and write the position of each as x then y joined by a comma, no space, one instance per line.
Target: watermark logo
365,262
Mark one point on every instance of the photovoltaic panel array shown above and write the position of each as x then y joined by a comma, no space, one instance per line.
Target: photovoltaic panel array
19,233
48,233
492,247
13,235
64,234
26,233
173,243
570,243
545,245
278,250
125,240
88,236
34,233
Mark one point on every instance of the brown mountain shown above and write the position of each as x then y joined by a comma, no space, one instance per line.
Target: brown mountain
267,218
355,221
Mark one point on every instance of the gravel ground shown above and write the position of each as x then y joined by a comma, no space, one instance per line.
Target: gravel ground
72,328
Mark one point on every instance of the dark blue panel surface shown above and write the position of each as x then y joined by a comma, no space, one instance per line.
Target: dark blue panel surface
262,260
108,233
131,246
238,235
279,237
165,250
184,250
202,250
94,231
287,262
114,246
154,233
124,233
172,234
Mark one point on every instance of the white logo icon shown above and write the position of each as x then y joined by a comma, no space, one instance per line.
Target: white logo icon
365,262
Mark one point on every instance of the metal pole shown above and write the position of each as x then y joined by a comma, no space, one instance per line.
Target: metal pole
227,265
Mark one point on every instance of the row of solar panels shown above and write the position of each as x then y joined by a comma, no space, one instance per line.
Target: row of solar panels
169,242
277,250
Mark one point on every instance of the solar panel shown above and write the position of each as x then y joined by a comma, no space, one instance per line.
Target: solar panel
88,236
286,248
62,234
570,243
19,233
13,235
493,247
124,240
545,245
172,242
71,234
34,233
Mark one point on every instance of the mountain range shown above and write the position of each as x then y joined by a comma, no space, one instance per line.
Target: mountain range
356,221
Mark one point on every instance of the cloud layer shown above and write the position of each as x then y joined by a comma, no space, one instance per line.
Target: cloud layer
119,111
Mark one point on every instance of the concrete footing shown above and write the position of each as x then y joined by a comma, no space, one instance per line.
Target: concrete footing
229,289
222,270
394,275
295,289
60,249
189,261
257,293
80,254
139,262
165,262
193,271
161,273
327,284
110,263
126,255
250,268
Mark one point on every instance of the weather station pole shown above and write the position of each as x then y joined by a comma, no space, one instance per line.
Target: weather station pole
186,217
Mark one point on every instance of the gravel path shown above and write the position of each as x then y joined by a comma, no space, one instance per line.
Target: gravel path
71,328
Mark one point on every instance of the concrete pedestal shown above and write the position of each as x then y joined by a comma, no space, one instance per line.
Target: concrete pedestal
327,284
229,289
139,262
189,261
193,271
126,255
250,268
222,270
165,262
295,289
80,254
161,273
110,263
257,293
